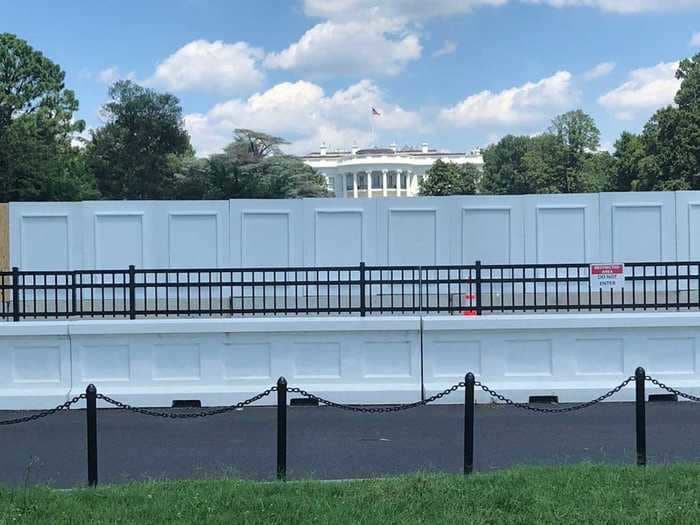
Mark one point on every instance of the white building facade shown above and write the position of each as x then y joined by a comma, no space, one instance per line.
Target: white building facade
381,172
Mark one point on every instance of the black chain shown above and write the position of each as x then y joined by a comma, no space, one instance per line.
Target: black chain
45,413
382,409
527,406
187,415
671,390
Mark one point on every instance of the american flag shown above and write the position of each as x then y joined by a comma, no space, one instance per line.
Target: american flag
376,113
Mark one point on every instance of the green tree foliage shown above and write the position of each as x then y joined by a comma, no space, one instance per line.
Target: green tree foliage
447,178
37,160
562,160
252,166
132,155
666,156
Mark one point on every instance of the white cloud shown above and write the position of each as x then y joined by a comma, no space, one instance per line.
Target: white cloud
647,88
695,40
395,9
622,6
417,10
530,103
377,46
600,70
447,48
110,75
211,66
302,111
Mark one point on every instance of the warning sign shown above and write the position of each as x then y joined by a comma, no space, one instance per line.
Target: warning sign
607,276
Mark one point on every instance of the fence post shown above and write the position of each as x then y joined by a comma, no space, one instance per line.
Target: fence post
640,419
477,269
15,293
363,305
73,294
132,291
91,416
282,429
468,423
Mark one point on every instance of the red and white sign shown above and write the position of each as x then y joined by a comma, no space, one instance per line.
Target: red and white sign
607,276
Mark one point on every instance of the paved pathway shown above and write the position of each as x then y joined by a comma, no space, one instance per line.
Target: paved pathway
328,443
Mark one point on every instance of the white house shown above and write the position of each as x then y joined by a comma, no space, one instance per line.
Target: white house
381,172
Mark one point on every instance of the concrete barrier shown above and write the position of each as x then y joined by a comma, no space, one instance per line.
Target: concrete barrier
575,357
381,360
224,361
35,365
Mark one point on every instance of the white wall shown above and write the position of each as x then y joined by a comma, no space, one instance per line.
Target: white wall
381,360
620,227
576,357
221,362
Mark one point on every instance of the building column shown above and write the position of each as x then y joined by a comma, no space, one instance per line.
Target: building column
369,184
384,183
354,185
398,182
410,187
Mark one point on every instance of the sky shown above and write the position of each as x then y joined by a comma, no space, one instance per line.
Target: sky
457,74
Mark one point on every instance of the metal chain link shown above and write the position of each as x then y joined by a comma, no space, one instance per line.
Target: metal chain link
527,406
187,415
671,390
378,410
45,413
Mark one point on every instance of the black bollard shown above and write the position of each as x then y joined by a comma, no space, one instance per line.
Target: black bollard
468,423
640,419
282,429
91,415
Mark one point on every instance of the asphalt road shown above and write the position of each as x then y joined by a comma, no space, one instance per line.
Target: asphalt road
326,443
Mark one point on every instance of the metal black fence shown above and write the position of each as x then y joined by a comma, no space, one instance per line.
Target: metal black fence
91,396
348,290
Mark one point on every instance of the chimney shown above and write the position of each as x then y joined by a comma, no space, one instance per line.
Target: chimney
323,149
393,147
424,147
354,148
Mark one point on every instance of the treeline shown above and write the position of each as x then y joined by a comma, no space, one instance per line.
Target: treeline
142,151
566,158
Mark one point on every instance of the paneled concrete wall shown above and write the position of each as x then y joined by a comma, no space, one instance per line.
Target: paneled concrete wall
574,357
221,362
383,360
314,232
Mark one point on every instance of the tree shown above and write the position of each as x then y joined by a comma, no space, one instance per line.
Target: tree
504,166
37,160
447,178
578,136
629,151
132,154
252,166
253,146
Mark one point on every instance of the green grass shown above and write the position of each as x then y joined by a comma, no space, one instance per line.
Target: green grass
580,494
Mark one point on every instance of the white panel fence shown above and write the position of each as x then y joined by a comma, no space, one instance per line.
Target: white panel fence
620,227
575,357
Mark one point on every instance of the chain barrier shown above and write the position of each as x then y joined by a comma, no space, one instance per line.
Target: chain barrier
352,408
45,413
672,390
378,410
541,410
186,415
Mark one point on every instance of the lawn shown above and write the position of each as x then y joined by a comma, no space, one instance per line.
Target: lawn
580,494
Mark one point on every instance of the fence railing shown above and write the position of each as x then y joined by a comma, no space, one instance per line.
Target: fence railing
344,290
91,396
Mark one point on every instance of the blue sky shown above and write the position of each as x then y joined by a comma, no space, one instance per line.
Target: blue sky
458,74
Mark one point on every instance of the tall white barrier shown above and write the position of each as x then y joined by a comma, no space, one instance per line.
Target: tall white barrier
35,365
605,227
575,357
221,362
